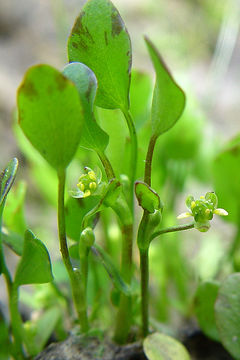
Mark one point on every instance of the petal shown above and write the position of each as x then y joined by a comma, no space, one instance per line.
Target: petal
220,212
184,215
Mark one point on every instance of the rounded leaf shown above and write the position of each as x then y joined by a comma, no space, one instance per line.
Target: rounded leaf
50,114
148,199
163,347
227,310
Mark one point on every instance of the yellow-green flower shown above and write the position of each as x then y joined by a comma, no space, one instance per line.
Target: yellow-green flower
203,210
87,184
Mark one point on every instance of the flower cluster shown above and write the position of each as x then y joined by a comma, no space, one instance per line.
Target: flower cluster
203,210
87,184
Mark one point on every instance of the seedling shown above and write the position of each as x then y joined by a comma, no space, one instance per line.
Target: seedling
58,111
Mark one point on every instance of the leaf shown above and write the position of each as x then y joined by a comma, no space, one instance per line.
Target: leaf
226,175
100,40
205,298
148,199
111,269
7,177
93,137
163,347
168,98
43,327
14,217
34,266
75,211
227,310
50,114
13,240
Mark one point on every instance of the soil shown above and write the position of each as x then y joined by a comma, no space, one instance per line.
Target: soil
80,348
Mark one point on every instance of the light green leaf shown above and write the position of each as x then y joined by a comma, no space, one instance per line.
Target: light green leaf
226,175
163,347
13,240
14,217
93,137
111,269
227,310
37,333
100,40
168,98
34,266
148,199
50,114
205,298
7,177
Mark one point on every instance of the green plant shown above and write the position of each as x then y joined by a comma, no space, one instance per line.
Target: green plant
61,115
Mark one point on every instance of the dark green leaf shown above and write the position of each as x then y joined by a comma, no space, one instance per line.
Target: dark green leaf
100,40
50,114
227,310
111,270
168,98
93,137
159,346
7,177
205,298
148,199
34,266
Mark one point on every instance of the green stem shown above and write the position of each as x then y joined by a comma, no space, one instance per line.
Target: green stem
78,298
172,229
107,165
144,267
123,321
148,161
134,151
16,320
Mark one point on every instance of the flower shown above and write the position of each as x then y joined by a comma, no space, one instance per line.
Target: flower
87,184
203,210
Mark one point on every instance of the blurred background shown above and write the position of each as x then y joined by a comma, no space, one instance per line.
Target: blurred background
198,39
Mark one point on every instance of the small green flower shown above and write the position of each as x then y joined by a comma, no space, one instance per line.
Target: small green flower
87,184
203,210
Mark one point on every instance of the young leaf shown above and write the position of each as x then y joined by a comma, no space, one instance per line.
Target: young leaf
111,270
148,199
50,114
34,266
100,40
93,137
227,310
204,307
7,177
168,98
163,347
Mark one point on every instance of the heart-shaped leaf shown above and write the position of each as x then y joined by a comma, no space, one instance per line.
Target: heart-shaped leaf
163,347
168,98
50,114
100,40
7,177
205,298
227,310
93,137
34,266
148,199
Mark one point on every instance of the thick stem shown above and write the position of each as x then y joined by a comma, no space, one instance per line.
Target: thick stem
148,161
77,288
144,267
172,229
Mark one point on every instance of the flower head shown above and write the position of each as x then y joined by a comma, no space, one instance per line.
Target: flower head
203,210
87,183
